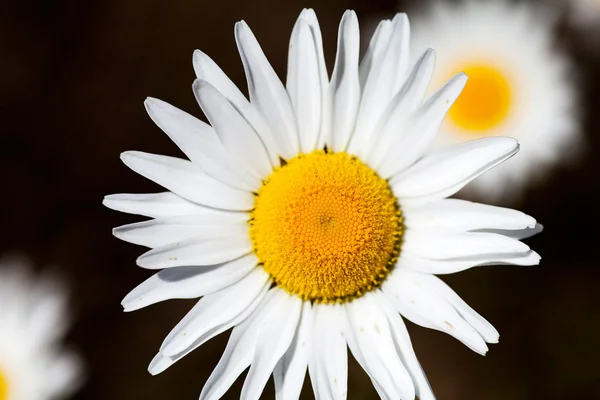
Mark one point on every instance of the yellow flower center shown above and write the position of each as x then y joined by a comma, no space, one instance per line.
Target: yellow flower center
3,386
326,227
485,101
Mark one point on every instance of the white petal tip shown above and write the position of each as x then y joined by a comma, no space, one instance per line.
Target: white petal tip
461,77
128,156
540,227
306,12
240,25
141,261
401,17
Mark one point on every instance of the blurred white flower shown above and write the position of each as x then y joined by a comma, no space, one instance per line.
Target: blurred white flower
519,85
33,320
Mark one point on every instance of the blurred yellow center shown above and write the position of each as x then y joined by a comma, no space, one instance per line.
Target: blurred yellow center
485,101
3,386
326,227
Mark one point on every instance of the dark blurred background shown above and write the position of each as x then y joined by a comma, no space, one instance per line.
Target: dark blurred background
73,76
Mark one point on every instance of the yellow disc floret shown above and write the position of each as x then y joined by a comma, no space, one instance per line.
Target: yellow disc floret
3,386
326,227
485,101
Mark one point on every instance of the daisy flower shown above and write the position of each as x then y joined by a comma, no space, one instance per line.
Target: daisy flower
310,219
519,85
33,321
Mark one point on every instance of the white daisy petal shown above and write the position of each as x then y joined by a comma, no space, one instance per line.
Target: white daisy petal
207,70
519,234
393,122
197,251
382,83
422,129
406,352
439,288
238,137
157,205
414,300
188,282
239,351
308,14
328,359
376,50
275,336
187,180
446,171
451,266
162,231
370,340
199,142
64,376
161,362
214,309
290,370
464,215
438,245
267,92
304,85
345,86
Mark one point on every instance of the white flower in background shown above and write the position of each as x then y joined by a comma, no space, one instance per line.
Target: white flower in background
33,320
519,85
310,219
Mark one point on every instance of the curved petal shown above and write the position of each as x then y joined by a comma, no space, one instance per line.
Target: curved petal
188,181
411,297
376,50
446,171
238,353
394,121
214,309
161,362
290,370
437,287
304,85
462,215
451,266
237,136
438,245
519,234
207,70
274,339
406,352
267,92
162,231
308,14
157,205
328,359
421,129
370,340
199,142
381,85
188,282
345,86
197,251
